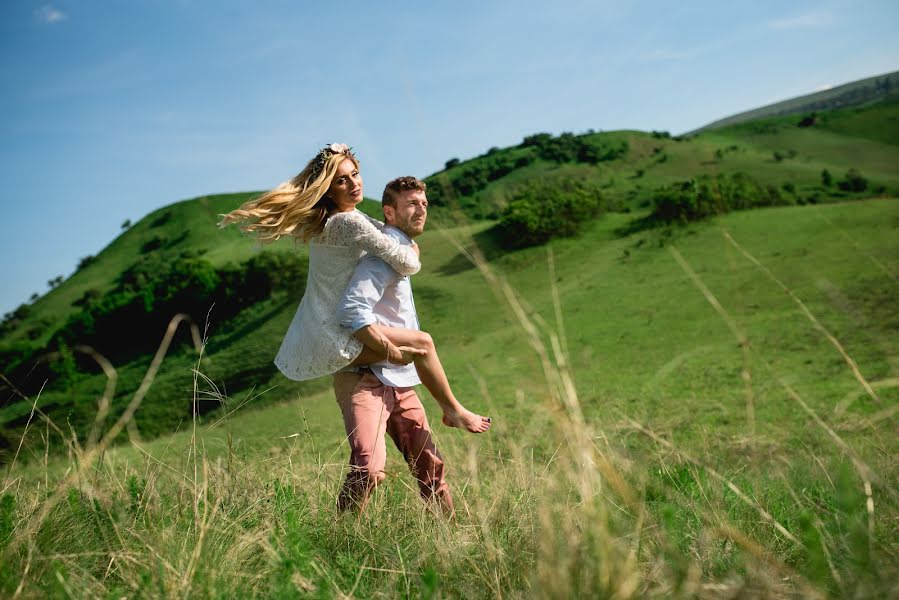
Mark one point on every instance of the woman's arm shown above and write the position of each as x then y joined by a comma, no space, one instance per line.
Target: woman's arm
354,229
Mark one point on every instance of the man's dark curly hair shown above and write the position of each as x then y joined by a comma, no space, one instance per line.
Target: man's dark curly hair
401,184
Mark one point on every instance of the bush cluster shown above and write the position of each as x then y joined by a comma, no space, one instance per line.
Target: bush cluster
130,319
705,196
568,147
548,208
854,181
473,177
478,174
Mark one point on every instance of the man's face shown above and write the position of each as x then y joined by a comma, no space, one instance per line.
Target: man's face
408,213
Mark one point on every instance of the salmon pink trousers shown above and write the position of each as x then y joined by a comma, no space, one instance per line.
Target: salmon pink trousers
370,409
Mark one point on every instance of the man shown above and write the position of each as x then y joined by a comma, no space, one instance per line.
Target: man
381,398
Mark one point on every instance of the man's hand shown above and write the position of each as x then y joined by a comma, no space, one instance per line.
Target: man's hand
403,355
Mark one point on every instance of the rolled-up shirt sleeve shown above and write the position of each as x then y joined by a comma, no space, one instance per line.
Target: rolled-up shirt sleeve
366,288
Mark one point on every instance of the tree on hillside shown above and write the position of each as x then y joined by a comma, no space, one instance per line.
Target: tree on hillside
85,261
808,120
126,224
854,181
12,319
537,139
548,208
154,243
826,178
451,163
90,297
53,283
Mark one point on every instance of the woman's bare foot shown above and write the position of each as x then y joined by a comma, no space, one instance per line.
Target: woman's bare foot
467,420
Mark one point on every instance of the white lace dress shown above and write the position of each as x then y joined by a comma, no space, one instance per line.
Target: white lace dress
315,343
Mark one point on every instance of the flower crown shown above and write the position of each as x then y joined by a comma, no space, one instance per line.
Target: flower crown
326,153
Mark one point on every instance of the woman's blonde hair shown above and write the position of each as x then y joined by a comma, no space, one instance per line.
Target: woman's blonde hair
298,207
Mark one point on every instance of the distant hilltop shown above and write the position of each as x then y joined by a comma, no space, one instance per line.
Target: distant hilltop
855,93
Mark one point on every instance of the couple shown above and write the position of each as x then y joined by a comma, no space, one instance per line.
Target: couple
357,317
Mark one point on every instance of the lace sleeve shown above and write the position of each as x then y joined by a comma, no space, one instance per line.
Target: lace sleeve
357,230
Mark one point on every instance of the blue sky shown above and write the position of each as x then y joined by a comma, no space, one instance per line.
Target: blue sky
112,108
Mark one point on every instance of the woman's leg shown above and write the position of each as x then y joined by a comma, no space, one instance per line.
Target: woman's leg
432,375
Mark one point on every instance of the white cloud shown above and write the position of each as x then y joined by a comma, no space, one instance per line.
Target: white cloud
49,15
804,21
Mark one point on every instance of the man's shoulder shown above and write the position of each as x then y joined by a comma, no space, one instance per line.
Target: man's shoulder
369,261
373,264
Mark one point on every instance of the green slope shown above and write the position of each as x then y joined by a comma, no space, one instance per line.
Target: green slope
863,138
239,353
856,93
650,324
719,369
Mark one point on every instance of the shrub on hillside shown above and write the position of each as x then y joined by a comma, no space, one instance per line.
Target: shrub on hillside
568,147
85,262
853,182
477,174
594,151
536,139
14,318
154,243
705,196
150,292
546,209
808,120
90,296
162,219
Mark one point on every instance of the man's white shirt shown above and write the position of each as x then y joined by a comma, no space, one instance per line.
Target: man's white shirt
378,294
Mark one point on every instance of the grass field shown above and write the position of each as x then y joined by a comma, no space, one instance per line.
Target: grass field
703,412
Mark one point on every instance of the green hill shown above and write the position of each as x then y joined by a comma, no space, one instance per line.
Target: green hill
627,169
683,431
703,410
779,152
853,94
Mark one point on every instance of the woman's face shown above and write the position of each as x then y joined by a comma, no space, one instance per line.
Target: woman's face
346,187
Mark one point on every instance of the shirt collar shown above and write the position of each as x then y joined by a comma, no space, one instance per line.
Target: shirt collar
400,234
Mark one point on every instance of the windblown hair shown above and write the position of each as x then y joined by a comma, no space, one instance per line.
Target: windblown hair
401,184
298,207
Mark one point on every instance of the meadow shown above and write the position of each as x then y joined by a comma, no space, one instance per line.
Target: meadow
706,411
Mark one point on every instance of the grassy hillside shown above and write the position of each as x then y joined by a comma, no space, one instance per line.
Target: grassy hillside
853,94
189,224
185,226
776,152
716,441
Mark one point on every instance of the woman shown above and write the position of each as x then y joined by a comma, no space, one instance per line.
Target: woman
319,206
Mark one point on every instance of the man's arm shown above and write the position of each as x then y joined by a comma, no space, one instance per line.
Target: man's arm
370,279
